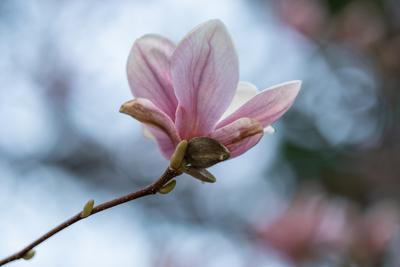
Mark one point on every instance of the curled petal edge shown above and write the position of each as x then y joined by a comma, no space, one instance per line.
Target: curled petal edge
239,136
156,121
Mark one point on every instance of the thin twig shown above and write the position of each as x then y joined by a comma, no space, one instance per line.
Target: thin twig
153,188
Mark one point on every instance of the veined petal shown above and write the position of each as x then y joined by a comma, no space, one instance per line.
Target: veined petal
156,121
148,72
204,71
244,92
267,106
239,136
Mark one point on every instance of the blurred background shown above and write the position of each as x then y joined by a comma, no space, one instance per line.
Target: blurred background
322,191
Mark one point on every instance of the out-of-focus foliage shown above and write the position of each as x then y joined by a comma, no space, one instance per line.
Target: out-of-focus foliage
359,40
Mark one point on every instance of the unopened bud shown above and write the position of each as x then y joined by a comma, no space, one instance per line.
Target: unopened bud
179,155
29,255
87,209
167,187
201,174
204,152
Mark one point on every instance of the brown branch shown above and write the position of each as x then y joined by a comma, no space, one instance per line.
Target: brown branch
151,189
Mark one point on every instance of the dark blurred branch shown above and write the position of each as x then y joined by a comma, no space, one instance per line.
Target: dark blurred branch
151,189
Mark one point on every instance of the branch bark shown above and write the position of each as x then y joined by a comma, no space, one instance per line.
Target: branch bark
151,189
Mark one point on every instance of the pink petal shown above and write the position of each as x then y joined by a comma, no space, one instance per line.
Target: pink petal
267,106
148,72
156,121
239,136
205,71
244,92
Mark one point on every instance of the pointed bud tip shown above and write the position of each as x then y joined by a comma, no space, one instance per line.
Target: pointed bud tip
201,174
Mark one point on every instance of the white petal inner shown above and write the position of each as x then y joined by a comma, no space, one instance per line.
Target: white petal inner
244,92
147,133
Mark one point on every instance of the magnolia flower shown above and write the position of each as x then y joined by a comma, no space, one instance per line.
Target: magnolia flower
187,90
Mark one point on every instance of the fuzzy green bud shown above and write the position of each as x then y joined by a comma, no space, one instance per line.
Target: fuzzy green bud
87,209
168,187
29,255
178,156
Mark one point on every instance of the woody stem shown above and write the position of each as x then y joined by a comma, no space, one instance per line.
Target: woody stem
151,189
